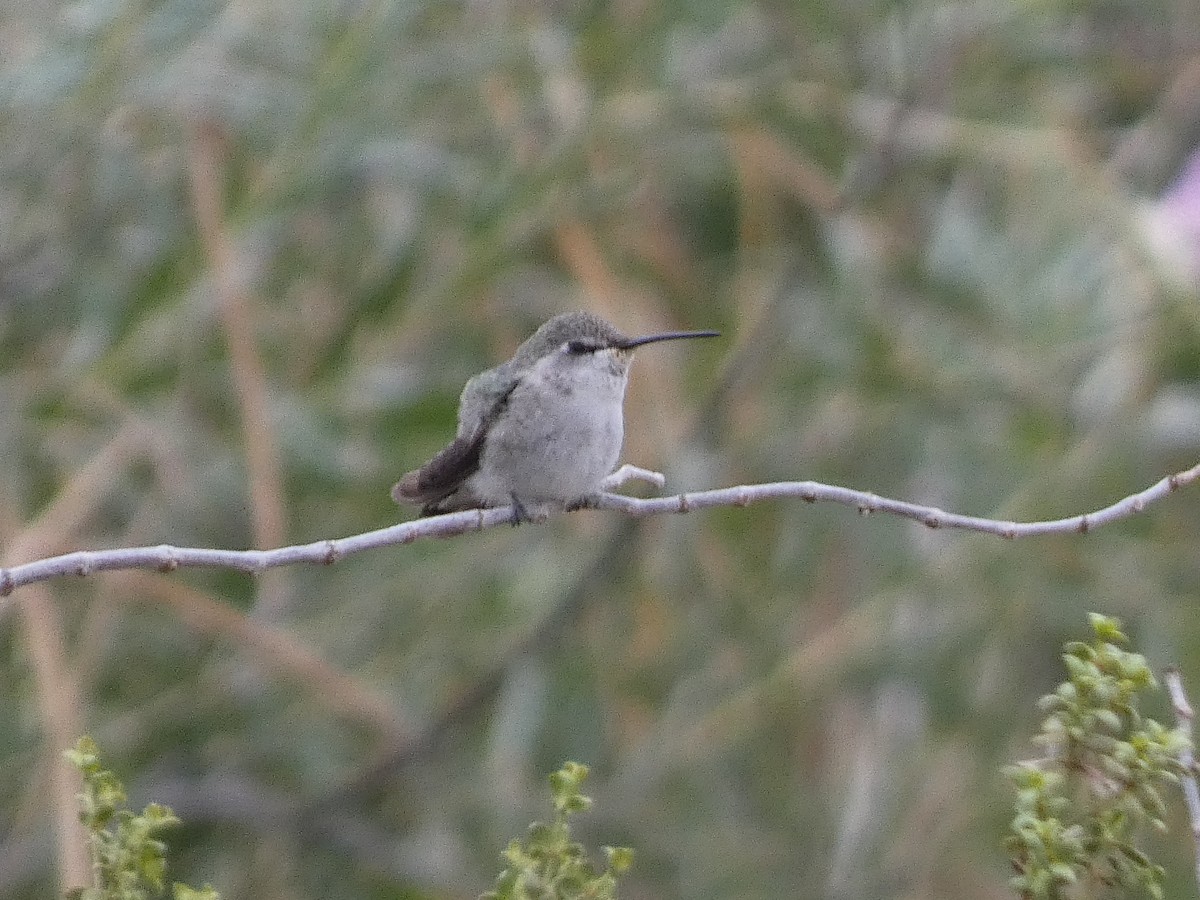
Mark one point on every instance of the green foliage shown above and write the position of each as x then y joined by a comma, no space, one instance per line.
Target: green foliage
1078,807
549,865
128,860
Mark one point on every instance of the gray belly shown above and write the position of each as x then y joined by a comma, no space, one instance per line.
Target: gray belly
549,445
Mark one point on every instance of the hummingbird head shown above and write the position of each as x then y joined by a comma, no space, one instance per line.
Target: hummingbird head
579,329
581,335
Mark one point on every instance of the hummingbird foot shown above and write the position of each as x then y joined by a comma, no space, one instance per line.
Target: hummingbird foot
587,501
519,512
532,512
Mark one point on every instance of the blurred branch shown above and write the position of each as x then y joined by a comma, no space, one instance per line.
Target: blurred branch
80,496
166,558
265,489
57,689
55,677
59,712
268,810
1183,720
269,647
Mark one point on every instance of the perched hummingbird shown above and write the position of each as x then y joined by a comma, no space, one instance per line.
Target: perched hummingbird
545,427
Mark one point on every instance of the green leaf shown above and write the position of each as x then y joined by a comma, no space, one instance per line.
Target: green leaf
183,892
1107,628
620,859
1063,873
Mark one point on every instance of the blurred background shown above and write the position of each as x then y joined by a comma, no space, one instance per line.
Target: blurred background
250,253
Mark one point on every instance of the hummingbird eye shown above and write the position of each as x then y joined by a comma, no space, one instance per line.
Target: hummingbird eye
581,347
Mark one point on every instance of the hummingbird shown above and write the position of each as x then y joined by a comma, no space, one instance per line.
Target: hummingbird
545,427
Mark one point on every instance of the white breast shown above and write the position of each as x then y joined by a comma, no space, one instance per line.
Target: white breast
559,435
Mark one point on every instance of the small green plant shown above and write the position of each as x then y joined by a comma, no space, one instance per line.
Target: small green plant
128,860
548,865
1078,808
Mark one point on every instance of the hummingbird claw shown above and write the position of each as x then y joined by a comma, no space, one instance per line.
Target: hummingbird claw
519,512
587,501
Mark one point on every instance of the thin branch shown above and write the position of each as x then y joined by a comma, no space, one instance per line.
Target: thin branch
628,473
1187,759
166,558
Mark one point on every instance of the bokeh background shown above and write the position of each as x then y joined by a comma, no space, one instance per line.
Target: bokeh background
250,252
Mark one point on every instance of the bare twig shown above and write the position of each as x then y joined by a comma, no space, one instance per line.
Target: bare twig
166,558
628,473
1187,759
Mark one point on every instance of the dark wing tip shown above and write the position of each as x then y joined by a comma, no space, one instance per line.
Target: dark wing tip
407,489
442,475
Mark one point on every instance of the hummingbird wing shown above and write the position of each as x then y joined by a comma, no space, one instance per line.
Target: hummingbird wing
482,401
483,397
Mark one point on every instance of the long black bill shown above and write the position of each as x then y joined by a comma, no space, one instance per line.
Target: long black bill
630,343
